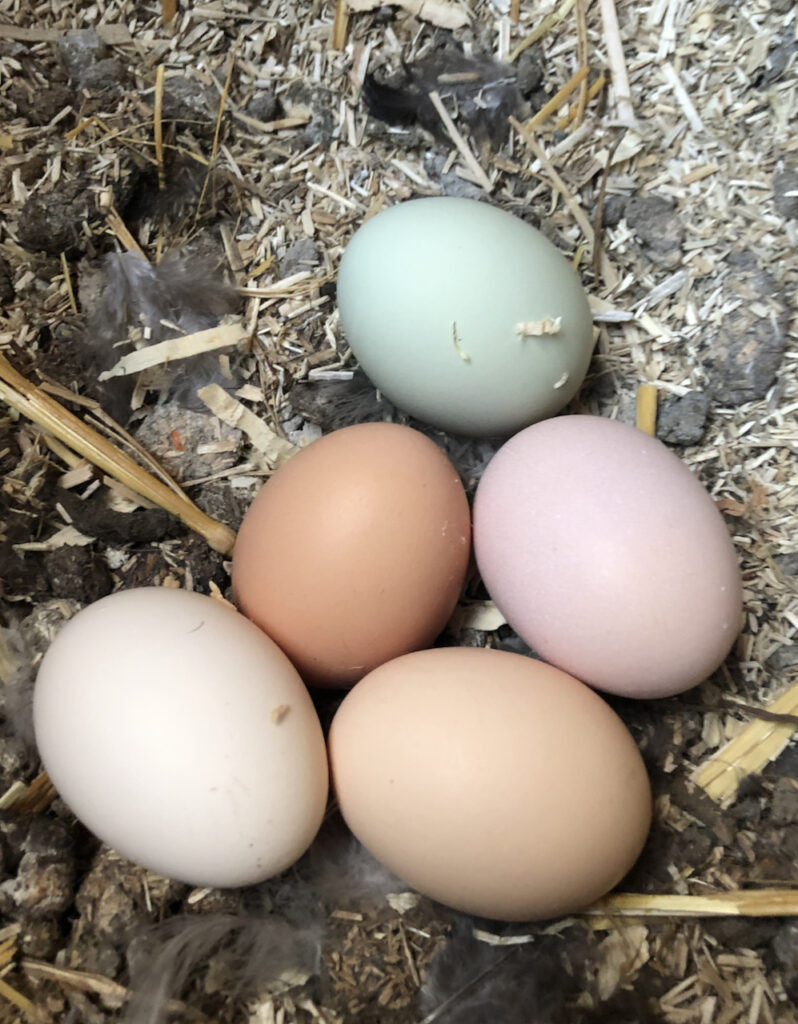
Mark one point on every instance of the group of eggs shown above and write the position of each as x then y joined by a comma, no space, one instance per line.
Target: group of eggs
181,731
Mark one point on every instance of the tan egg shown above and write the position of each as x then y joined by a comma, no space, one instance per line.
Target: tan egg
491,782
355,551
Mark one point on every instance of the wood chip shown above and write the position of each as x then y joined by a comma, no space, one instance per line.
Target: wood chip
482,615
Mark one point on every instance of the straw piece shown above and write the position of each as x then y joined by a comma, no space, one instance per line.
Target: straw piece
607,269
548,23
216,134
582,56
684,101
68,282
749,752
35,798
558,98
592,92
20,1001
157,121
647,409
120,229
168,351
340,25
168,10
472,162
617,62
515,11
39,407
738,903
275,448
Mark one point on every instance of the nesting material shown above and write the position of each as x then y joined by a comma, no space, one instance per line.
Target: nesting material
749,752
32,402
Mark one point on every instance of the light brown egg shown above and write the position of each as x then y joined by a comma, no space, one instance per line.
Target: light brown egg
491,782
355,551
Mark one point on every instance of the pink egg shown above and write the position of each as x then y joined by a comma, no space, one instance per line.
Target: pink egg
607,556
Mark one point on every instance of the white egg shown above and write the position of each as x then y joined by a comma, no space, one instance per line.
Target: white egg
182,736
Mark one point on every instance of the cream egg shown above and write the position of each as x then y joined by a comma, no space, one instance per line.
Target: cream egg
182,736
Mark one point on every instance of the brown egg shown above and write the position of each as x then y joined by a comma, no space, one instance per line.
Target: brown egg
355,551
491,782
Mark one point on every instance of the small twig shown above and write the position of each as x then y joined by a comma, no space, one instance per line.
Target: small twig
460,142
68,282
157,125
515,11
548,23
557,100
411,963
168,10
617,62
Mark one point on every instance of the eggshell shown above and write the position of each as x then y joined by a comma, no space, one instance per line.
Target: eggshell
607,556
355,551
491,782
431,295
182,736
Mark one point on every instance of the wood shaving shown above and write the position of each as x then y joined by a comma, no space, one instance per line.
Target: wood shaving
212,340
443,13
539,328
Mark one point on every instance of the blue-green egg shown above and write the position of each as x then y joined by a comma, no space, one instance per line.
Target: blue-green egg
464,316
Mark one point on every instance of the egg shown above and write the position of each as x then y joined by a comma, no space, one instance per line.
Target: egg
607,556
355,551
464,315
491,782
179,734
